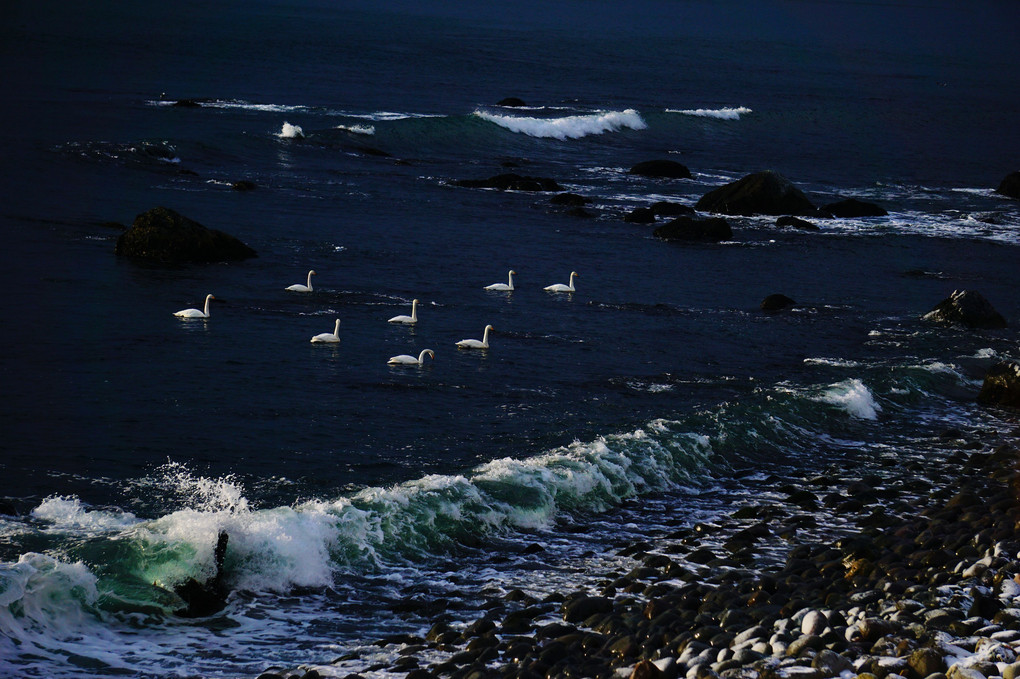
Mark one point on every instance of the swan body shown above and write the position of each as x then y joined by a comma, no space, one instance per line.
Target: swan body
476,344
408,320
297,287
404,359
195,313
506,287
332,337
559,287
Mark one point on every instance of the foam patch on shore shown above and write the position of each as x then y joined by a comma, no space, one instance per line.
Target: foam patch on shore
568,127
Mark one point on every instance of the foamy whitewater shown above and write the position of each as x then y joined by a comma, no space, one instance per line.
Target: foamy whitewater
568,127
363,501
720,113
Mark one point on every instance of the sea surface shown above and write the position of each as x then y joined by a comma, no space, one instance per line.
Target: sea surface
362,499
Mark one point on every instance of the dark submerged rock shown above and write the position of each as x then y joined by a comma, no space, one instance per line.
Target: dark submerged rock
569,199
762,193
851,207
640,215
511,102
243,185
1010,185
666,169
165,236
202,599
776,302
1002,385
665,208
511,181
188,103
714,229
967,308
797,223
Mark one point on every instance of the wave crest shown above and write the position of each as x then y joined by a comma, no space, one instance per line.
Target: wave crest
568,127
721,113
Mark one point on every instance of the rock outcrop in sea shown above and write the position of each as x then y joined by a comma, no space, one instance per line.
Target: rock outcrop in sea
852,208
1010,185
776,302
968,308
665,169
1002,385
761,193
163,235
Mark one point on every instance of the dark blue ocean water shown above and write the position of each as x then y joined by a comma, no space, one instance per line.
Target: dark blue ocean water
348,487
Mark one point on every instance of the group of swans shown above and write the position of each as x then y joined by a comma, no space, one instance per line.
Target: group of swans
402,359
558,287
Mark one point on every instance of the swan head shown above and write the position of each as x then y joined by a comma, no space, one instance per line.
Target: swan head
312,272
488,328
429,352
512,272
573,274
210,297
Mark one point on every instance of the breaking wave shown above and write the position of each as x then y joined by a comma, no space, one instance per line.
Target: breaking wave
568,127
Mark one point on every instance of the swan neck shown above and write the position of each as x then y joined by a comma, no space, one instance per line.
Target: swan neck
207,298
309,286
511,283
414,311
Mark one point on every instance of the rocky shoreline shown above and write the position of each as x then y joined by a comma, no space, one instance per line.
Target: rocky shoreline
916,576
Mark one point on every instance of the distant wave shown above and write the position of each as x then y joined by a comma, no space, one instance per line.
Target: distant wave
569,127
357,129
721,113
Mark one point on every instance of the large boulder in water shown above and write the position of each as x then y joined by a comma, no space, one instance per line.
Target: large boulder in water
776,302
1010,186
1002,385
967,308
668,169
691,229
761,193
511,181
852,208
163,235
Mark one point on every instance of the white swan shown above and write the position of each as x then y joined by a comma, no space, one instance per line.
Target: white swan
559,287
195,313
329,337
408,320
404,359
503,286
475,344
297,287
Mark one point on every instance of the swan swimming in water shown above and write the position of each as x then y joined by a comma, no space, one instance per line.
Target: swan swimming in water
297,287
404,359
329,337
408,320
475,344
559,287
508,287
195,313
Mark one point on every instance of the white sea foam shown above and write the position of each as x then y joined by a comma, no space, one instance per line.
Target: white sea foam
70,514
568,127
357,129
721,113
854,397
289,131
